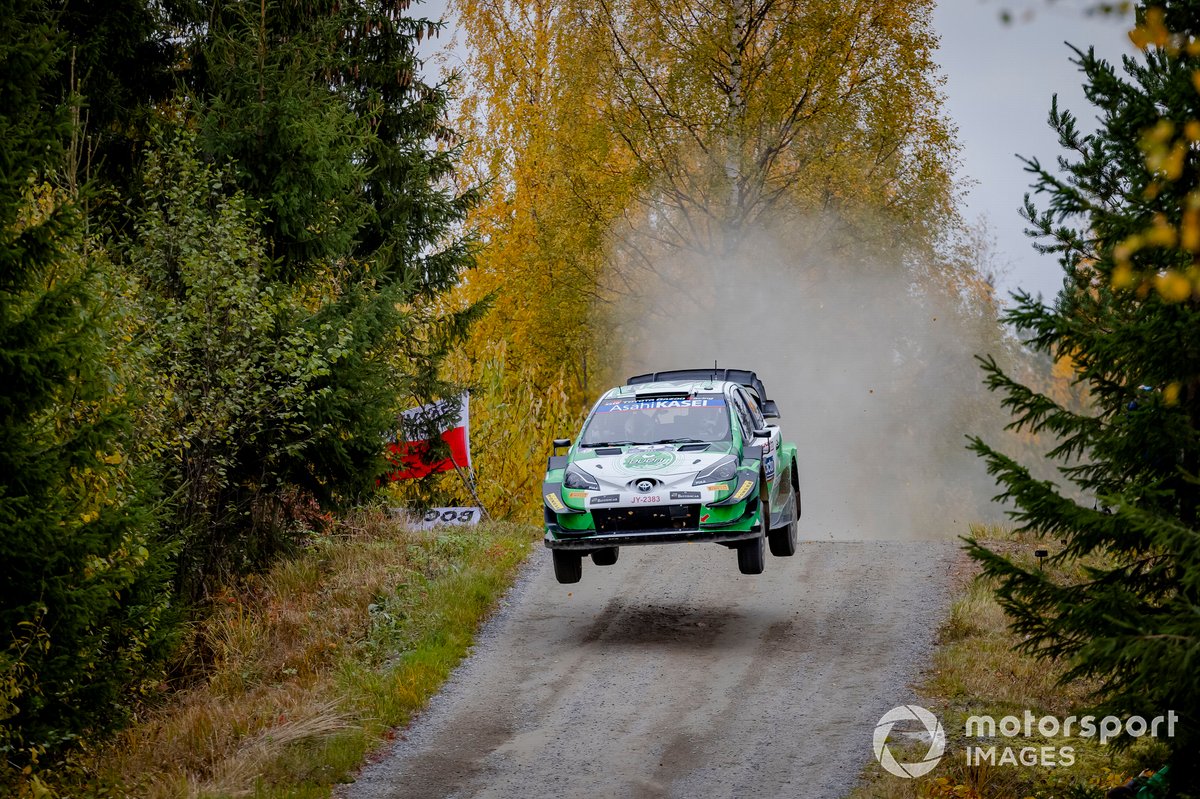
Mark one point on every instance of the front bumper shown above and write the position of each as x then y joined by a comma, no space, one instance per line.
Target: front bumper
683,528
643,537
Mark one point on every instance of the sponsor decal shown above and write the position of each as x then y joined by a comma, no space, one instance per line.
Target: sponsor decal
685,495
649,460
606,499
719,487
744,489
618,405
555,503
576,494
769,466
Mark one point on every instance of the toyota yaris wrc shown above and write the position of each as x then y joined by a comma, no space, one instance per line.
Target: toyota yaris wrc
674,457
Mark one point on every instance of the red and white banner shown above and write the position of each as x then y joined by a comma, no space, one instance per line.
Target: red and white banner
412,458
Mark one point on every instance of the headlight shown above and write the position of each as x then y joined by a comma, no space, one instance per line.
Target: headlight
578,478
720,472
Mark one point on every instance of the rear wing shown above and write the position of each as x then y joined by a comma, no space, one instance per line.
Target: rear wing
742,377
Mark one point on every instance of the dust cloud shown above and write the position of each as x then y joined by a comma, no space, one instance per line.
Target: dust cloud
871,363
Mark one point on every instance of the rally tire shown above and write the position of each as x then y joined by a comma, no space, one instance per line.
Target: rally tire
605,557
783,539
751,555
568,566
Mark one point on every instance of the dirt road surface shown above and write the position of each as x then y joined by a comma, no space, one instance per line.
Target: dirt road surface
671,674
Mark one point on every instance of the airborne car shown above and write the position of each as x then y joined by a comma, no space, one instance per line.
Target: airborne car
674,457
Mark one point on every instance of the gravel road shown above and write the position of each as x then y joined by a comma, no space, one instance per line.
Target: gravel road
671,674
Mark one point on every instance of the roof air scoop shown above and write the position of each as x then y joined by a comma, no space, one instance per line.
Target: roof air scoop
646,395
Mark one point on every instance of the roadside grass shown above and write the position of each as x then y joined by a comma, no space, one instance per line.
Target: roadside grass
310,667
975,671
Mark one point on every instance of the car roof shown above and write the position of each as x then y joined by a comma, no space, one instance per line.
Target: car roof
672,387
743,377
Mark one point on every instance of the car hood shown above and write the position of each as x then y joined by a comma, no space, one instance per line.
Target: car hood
615,470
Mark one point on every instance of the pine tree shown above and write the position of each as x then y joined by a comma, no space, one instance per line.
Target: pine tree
1123,221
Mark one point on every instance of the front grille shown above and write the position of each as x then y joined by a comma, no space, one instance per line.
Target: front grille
646,519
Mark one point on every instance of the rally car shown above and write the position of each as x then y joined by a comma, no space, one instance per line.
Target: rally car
674,457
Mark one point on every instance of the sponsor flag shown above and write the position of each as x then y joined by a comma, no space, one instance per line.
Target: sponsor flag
411,452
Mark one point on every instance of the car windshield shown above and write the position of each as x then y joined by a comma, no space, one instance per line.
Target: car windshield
657,421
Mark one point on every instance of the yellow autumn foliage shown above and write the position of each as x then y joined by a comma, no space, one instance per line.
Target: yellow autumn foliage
1165,147
610,132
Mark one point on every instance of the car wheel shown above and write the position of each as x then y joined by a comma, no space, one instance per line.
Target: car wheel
751,555
568,566
783,539
605,557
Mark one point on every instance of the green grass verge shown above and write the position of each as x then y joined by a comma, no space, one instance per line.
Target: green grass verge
314,665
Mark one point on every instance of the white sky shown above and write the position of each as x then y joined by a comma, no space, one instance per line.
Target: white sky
1000,78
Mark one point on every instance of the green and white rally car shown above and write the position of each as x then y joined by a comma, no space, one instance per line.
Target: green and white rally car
674,457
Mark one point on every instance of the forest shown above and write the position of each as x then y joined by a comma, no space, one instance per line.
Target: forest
238,239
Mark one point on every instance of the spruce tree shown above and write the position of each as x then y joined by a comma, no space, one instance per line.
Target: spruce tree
1123,216
80,579
118,58
413,206
339,149
265,74
411,246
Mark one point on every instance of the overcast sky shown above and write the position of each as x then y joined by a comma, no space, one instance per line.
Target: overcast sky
1000,78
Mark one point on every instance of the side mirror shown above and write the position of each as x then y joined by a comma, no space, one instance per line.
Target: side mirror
561,442
770,410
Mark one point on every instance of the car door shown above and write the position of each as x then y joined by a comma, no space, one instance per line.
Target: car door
770,446
741,404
